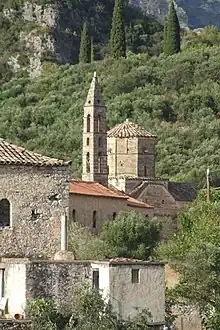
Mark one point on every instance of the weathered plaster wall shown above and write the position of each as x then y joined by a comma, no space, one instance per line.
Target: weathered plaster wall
104,277
43,190
15,288
105,207
149,293
55,280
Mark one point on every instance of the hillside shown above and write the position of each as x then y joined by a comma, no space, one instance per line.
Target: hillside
32,32
177,98
194,13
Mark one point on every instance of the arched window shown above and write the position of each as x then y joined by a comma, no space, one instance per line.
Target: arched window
88,123
100,142
87,162
5,210
94,219
145,171
114,215
74,215
99,162
99,124
87,141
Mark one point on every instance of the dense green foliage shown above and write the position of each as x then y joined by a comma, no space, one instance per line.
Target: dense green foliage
175,97
84,55
172,32
89,311
195,253
131,235
117,40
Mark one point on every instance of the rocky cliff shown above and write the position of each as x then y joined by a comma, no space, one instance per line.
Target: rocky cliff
194,13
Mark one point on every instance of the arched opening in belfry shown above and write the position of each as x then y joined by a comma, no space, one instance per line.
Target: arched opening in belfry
88,123
88,162
99,124
99,162
5,213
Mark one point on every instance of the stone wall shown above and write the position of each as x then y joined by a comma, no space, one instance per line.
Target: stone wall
25,280
38,196
15,325
55,280
131,157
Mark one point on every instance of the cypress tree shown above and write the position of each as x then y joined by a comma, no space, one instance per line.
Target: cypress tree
92,51
172,32
84,56
117,39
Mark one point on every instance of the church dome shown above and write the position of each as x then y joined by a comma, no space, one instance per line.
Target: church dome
129,130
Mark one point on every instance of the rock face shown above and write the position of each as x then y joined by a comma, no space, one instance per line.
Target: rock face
195,14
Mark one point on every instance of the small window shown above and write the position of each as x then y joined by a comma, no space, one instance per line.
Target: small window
98,124
88,123
147,216
74,215
88,162
135,276
5,210
35,215
2,283
99,162
145,171
95,279
94,219
100,142
89,102
87,141
163,201
114,215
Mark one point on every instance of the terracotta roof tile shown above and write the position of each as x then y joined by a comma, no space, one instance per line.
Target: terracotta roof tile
92,189
12,154
128,130
96,189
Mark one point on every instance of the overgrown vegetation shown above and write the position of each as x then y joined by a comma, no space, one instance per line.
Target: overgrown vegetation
176,98
194,252
88,311
130,235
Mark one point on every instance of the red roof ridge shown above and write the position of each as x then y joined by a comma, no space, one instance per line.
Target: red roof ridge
86,188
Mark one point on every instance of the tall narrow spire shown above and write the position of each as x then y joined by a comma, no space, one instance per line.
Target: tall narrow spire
94,97
95,136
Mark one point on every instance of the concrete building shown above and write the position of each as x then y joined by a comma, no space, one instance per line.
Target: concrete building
91,204
34,194
130,285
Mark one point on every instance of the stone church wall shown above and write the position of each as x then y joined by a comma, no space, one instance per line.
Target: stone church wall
38,196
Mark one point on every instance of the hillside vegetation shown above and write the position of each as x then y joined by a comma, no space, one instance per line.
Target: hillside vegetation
176,97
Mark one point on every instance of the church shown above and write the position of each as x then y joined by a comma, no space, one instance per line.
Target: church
122,161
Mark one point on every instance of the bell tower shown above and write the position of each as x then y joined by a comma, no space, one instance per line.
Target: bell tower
95,136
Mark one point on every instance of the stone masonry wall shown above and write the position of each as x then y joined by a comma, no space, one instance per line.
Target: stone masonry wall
38,196
15,325
55,280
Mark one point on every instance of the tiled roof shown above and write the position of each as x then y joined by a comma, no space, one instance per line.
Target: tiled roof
96,189
12,154
92,189
183,191
134,202
128,130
